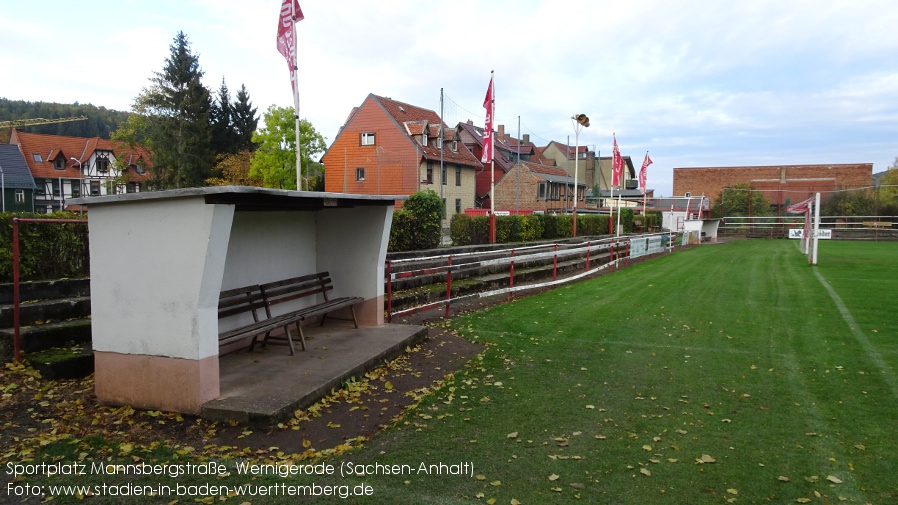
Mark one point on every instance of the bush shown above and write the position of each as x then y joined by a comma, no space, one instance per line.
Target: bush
418,224
508,229
46,250
532,227
626,220
460,229
564,226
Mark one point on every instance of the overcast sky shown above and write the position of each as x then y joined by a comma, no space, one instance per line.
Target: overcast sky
694,82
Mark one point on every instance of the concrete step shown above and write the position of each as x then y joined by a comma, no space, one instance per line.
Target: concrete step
44,290
72,362
44,311
46,336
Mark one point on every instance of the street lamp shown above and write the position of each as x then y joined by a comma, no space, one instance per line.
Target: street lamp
580,121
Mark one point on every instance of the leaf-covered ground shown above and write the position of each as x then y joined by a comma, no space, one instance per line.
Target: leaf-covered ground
35,412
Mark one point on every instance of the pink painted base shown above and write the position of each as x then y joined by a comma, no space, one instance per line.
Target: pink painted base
155,382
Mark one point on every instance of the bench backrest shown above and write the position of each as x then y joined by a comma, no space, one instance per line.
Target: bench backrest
248,299
297,287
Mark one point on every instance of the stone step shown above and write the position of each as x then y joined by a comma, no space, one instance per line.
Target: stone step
72,362
43,311
46,336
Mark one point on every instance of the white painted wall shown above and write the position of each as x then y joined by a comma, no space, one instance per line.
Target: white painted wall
352,246
162,263
269,246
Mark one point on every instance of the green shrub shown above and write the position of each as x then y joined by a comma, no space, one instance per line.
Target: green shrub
532,227
46,250
460,229
508,229
626,220
564,226
418,224
550,226
480,230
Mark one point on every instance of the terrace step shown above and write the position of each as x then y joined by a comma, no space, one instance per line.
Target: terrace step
46,336
38,312
72,362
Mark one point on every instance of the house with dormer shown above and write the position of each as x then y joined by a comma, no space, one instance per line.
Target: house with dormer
388,147
579,159
72,167
508,151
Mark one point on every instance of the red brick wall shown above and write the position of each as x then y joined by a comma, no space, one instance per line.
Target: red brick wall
792,182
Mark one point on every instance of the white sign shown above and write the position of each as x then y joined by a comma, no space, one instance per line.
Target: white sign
645,245
822,234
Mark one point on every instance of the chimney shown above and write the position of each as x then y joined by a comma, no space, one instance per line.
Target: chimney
501,132
526,139
470,123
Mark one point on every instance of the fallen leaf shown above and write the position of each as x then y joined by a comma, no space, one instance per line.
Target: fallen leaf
733,491
783,478
512,435
553,477
834,479
646,472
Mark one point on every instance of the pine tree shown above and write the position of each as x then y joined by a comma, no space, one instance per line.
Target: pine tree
224,135
245,120
177,107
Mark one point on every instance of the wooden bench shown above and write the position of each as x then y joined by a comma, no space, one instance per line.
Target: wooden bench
877,224
251,299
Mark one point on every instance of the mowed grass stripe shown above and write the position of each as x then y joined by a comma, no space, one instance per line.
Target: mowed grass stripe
622,389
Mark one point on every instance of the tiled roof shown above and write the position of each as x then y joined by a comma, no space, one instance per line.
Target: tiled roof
15,171
407,114
49,148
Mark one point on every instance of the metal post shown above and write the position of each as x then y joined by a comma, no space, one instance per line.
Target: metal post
389,291
448,284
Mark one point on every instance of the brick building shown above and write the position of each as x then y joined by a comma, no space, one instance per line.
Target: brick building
781,184
532,186
389,147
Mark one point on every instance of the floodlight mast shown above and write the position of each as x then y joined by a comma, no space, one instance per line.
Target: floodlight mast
580,121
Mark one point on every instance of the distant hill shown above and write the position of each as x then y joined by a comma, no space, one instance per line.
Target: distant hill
100,122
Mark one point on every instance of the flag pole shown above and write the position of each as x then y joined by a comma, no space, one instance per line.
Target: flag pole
492,160
296,100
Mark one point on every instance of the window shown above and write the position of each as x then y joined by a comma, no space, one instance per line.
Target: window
360,174
367,139
57,164
541,191
429,177
20,196
39,187
102,165
37,158
56,188
443,176
94,188
134,187
458,205
139,169
76,189
458,176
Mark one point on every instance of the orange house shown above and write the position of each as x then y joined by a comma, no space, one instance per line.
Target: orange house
389,147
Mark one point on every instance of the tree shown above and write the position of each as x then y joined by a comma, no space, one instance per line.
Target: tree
245,120
224,135
234,170
275,158
175,123
741,200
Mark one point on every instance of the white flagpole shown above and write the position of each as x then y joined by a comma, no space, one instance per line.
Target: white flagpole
296,99
492,159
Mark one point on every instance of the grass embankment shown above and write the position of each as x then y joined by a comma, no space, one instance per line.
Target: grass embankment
718,374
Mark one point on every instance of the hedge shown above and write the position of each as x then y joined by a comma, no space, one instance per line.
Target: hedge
468,230
46,250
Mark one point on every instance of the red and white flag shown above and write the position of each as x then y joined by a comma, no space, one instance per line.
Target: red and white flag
642,172
488,125
617,165
290,13
800,207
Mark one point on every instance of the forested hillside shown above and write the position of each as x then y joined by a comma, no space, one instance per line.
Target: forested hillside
101,122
